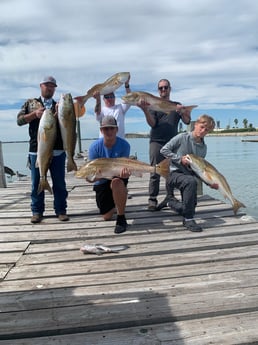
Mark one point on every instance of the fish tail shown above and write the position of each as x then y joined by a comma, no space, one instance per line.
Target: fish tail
236,205
44,185
82,100
163,167
71,165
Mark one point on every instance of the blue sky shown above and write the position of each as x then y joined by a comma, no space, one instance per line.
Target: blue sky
207,49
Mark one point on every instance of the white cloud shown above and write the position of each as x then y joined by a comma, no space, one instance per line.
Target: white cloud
207,49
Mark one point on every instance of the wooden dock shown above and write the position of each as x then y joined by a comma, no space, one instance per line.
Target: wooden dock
169,287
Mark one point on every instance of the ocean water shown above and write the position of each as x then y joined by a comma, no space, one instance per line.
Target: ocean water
235,159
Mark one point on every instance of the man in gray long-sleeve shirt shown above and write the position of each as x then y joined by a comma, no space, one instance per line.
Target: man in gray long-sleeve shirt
181,177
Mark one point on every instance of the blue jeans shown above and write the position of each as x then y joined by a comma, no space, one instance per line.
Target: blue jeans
57,172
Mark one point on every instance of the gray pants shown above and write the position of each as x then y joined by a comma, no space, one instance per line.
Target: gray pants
187,184
155,158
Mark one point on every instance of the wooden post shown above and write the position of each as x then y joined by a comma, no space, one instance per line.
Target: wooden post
2,174
79,111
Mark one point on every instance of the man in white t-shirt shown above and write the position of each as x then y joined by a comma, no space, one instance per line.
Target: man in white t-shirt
118,111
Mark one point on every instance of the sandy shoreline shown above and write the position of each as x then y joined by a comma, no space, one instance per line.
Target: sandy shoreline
235,134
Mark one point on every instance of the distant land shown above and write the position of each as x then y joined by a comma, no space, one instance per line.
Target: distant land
229,132
233,132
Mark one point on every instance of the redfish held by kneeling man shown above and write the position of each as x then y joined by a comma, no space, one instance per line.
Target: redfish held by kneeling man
155,103
110,85
210,175
67,122
46,141
110,167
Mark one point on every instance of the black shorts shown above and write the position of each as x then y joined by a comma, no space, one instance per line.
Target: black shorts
104,196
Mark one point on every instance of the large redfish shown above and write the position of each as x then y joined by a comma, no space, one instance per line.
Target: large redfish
155,103
110,85
67,122
110,167
210,175
46,141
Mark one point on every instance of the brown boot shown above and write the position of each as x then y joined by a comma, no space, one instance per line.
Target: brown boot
36,218
63,217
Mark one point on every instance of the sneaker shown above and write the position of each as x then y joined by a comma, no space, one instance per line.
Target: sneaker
152,206
36,218
191,225
120,228
163,204
175,205
63,217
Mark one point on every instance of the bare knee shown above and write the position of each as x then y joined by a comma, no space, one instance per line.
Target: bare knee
108,215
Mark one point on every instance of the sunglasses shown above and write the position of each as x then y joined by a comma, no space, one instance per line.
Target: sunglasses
163,87
109,97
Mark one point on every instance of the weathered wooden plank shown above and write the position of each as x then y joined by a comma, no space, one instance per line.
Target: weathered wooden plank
196,247
13,246
179,287
10,253
226,330
4,269
178,280
85,226
154,267
134,308
232,330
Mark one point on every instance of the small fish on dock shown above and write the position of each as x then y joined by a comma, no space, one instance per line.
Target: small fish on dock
100,249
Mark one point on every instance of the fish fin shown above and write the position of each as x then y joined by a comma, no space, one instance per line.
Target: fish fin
90,178
111,249
71,165
99,251
163,167
236,205
44,185
82,99
207,177
80,174
191,107
44,136
102,249
118,248
187,107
